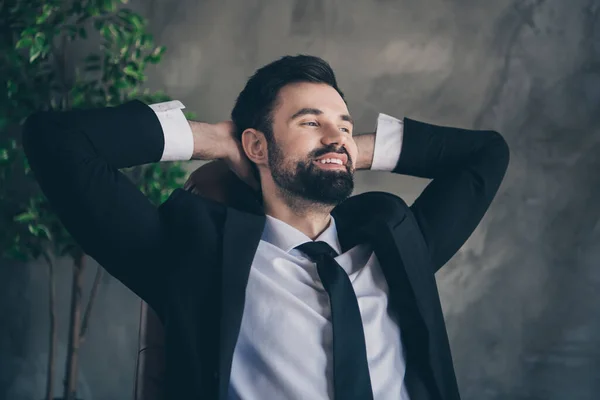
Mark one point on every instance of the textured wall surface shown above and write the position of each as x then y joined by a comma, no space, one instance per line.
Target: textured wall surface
521,297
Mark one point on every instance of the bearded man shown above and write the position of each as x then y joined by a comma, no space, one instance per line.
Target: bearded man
287,287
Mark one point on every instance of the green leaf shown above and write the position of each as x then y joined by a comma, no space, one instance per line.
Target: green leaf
137,21
40,39
78,99
30,31
108,5
124,13
34,53
25,217
93,10
121,84
47,10
147,41
156,55
43,229
24,42
109,32
130,70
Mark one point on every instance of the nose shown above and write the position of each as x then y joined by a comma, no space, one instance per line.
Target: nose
333,135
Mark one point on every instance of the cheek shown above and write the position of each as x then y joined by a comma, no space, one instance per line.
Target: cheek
302,147
293,151
353,151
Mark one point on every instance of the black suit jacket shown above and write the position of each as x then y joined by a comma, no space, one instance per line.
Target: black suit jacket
190,257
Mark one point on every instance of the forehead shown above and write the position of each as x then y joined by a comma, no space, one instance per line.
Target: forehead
296,96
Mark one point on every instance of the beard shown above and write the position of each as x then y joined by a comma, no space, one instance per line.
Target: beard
305,180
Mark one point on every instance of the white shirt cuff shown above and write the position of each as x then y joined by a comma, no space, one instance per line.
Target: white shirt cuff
388,143
179,142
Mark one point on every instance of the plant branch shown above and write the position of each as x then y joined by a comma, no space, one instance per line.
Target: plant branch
52,331
63,64
72,360
90,304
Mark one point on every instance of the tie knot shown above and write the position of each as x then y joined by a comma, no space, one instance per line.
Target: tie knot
315,250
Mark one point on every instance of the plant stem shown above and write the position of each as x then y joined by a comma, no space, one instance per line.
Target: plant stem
90,304
63,65
74,328
52,332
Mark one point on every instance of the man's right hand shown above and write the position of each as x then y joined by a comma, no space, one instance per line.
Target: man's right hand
219,141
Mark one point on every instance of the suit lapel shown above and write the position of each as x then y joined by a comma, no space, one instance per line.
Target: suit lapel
378,219
241,235
410,258
403,252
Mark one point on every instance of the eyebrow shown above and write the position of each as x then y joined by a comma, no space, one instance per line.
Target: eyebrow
316,111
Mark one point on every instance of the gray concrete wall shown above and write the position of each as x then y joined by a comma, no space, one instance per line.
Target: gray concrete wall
521,296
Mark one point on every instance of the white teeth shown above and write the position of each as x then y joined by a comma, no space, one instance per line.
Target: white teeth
331,161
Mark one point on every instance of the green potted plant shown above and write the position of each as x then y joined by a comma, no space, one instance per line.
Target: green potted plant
38,74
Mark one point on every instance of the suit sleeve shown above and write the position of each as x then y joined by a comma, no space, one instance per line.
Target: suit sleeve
466,168
75,157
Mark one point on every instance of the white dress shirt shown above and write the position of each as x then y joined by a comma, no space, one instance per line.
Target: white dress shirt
284,349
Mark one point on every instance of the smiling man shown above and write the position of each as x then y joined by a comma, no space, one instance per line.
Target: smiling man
307,156
289,288
316,172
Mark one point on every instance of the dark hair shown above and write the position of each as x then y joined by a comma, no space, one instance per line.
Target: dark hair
255,104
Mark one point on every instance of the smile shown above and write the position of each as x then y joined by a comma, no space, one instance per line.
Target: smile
335,164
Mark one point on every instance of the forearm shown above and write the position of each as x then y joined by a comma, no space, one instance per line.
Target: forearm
466,168
366,148
185,139
75,157
122,137
210,141
430,151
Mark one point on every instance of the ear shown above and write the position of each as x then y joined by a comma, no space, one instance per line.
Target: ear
255,146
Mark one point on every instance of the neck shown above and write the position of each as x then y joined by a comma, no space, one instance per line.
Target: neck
308,217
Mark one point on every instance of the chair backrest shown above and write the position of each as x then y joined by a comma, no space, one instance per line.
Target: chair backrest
150,365
213,180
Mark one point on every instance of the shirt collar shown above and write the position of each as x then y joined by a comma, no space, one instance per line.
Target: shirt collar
286,237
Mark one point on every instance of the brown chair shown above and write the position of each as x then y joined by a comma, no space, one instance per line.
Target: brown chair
215,181
150,364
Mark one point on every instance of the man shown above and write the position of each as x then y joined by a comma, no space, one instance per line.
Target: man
293,290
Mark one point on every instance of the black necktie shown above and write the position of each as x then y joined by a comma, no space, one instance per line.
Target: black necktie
351,380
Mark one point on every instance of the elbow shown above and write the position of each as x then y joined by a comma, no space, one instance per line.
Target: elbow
31,133
497,157
498,149
38,135
38,140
